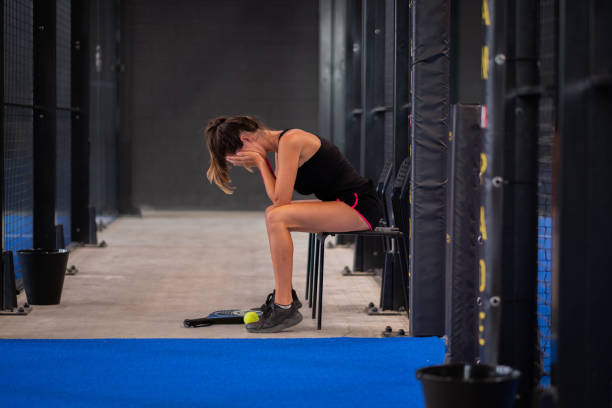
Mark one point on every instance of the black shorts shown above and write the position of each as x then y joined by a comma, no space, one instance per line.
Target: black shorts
366,202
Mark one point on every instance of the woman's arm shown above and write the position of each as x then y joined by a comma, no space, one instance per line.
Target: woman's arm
280,189
268,178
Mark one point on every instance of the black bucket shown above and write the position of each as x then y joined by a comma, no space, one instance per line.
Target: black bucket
473,386
43,272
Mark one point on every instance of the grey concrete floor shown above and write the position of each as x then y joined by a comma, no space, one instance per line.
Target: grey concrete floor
167,266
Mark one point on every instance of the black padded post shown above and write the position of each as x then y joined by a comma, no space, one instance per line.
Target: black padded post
582,265
430,27
462,231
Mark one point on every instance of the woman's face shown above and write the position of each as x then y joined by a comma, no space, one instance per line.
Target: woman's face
248,155
249,142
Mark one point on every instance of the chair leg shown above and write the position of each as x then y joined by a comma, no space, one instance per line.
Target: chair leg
309,267
403,255
321,263
312,302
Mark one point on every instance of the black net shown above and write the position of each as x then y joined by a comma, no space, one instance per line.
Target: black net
18,180
18,127
18,52
547,113
63,118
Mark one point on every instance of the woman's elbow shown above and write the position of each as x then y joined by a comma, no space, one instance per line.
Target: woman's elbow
278,201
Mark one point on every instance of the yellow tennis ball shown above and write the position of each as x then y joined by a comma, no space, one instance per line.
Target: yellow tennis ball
251,317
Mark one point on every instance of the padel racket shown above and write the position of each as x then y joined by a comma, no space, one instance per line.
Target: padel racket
230,316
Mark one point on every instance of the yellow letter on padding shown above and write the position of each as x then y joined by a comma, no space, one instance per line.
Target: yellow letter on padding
483,224
486,19
483,275
485,62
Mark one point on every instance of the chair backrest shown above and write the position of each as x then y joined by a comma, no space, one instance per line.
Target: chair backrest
382,188
400,196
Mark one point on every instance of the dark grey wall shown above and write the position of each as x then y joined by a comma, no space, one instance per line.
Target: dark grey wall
191,60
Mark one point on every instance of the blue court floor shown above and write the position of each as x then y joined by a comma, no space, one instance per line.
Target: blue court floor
333,372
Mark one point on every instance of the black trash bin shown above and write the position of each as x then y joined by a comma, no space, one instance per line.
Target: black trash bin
43,272
473,386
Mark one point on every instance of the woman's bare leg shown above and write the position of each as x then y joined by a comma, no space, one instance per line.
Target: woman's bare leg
305,216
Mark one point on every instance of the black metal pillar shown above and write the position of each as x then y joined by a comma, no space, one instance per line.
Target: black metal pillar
369,251
326,57
430,27
508,213
103,109
124,144
373,89
337,81
333,57
7,291
388,99
352,88
401,74
2,184
388,102
491,167
353,84
582,265
519,342
80,60
44,124
339,49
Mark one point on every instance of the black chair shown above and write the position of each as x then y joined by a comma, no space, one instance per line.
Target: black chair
316,257
395,240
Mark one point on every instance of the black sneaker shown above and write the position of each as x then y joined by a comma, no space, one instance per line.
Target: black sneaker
270,298
275,319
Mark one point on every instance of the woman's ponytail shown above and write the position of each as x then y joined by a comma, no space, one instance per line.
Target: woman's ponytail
223,138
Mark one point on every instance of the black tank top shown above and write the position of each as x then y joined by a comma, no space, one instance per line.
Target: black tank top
328,174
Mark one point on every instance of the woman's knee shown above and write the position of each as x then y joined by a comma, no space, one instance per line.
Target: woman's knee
274,214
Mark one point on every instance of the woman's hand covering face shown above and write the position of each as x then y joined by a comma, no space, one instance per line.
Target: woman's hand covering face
245,158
